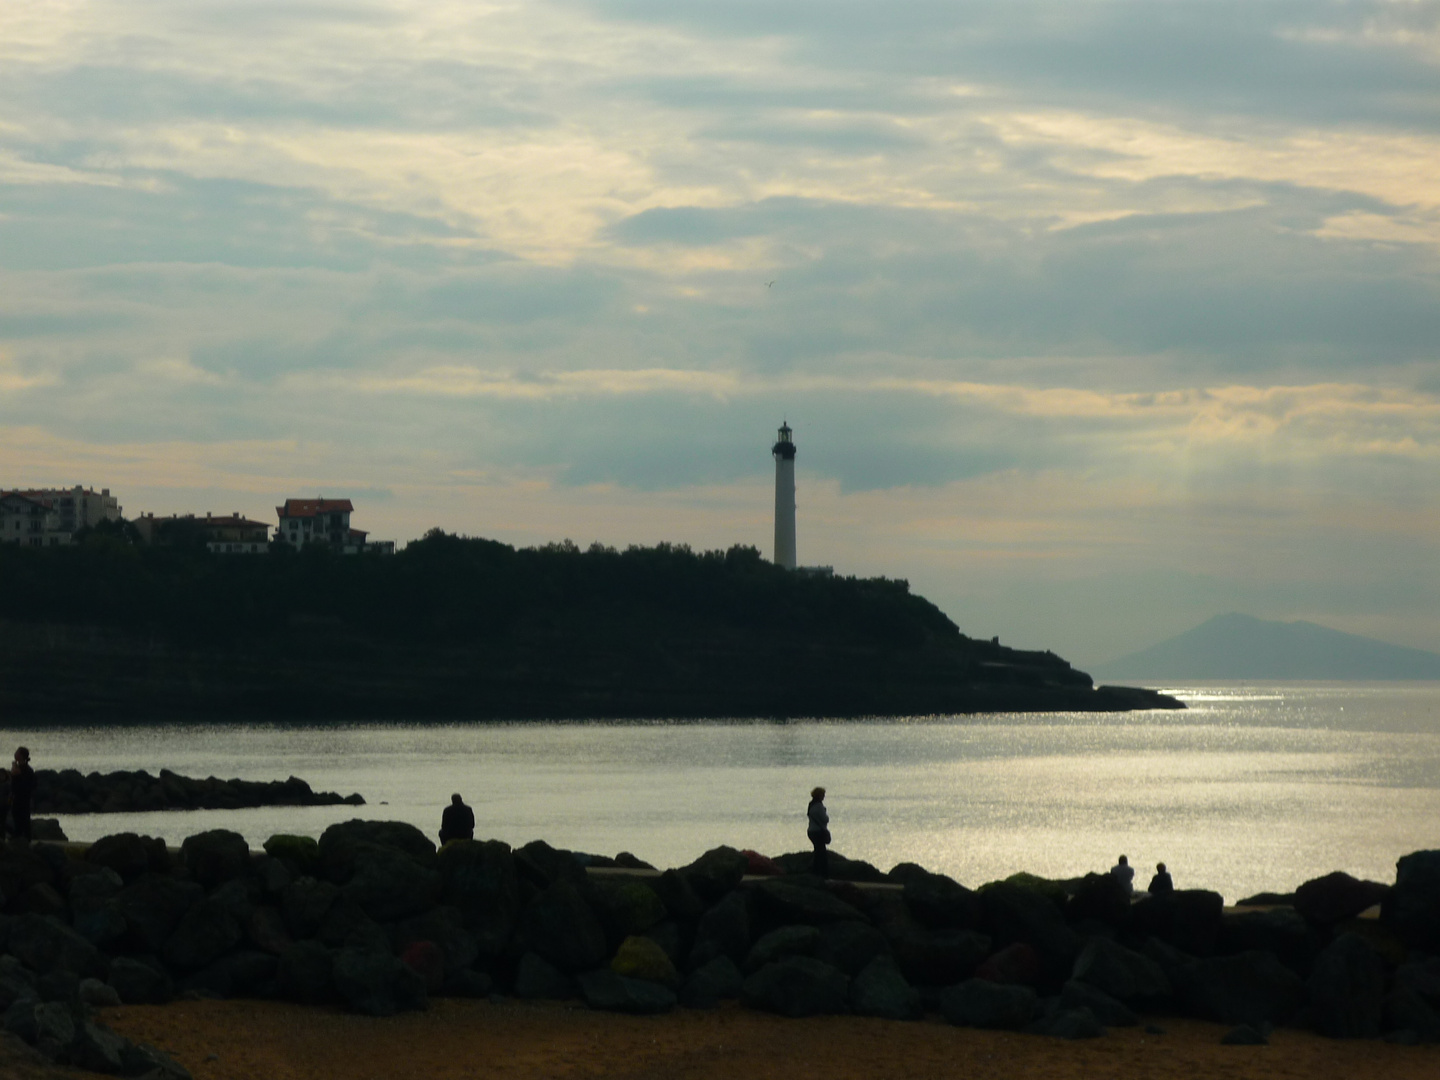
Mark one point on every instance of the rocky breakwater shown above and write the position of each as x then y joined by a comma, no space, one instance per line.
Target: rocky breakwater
372,918
68,791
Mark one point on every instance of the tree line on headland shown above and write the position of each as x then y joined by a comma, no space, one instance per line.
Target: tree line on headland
470,628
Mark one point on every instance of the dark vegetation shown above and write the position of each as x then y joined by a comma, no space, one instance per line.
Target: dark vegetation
471,628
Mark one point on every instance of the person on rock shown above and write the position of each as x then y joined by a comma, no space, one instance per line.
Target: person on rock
818,830
22,789
457,822
1124,875
1161,882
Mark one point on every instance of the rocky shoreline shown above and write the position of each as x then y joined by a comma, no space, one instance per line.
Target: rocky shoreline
68,791
372,918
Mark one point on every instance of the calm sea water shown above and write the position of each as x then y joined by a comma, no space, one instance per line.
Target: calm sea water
1253,788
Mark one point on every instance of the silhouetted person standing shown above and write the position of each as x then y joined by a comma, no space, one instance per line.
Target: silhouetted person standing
22,790
1161,882
819,830
1124,875
457,822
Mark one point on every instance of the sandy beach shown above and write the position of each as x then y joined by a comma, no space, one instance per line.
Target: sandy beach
518,1040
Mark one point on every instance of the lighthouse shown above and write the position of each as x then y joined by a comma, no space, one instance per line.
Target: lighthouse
784,451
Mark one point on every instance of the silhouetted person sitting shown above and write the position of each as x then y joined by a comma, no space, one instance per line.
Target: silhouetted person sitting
1161,882
457,822
1124,875
22,788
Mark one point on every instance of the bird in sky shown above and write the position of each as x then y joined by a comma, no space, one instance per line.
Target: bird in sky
768,284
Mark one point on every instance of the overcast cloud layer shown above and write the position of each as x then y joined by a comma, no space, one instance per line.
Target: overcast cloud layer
1092,319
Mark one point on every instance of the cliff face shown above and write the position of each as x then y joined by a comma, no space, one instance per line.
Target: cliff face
469,629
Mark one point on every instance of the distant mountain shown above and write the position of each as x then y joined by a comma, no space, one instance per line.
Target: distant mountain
1238,646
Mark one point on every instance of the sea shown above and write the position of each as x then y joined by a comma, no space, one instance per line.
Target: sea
1252,788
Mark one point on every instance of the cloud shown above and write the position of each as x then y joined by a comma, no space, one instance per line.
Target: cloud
1051,291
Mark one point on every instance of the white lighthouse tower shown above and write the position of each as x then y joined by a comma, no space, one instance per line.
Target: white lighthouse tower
784,451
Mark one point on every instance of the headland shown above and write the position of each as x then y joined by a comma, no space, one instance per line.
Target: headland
454,628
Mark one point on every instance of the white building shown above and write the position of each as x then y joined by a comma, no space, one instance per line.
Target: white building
231,534
784,452
78,507
325,521
29,521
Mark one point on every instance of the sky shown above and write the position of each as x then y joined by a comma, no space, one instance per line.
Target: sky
1092,319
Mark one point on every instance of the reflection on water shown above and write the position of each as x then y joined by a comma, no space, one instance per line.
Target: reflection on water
1253,788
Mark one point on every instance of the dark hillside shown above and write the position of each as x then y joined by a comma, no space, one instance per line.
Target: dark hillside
466,628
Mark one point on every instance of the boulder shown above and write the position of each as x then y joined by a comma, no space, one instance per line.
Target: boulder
346,926
1347,990
480,880
21,869
1111,1013
44,943
272,875
140,983
542,865
152,906
1407,1010
838,867
344,843
129,855
304,904
91,891
561,927
204,934
427,960
536,977
850,946
1188,919
679,896
1067,1023
757,865
786,941
627,907
1099,898
1243,989
1279,930
147,1063
43,900
606,990
981,1004
1121,973
388,884
468,984
53,1027
215,856
716,872
781,903
265,929
300,854
444,927
1016,913
711,983
240,974
937,901
58,985
376,983
1412,908
724,930
98,995
306,973
1325,901
939,957
1017,965
797,986
641,958
47,829
879,989
668,936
